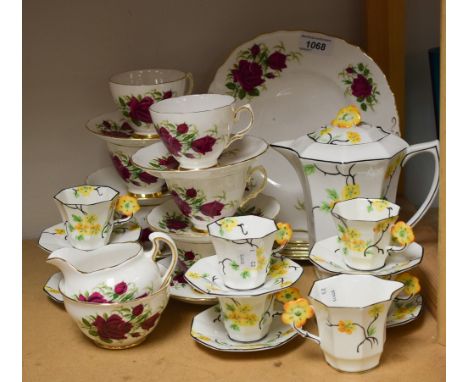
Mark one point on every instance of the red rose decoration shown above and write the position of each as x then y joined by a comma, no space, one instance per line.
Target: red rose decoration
169,162
182,128
183,205
123,171
248,75
191,193
114,328
137,310
171,143
189,255
203,145
179,278
167,94
149,322
139,110
121,288
350,70
361,88
212,209
277,61
254,50
176,224
94,297
147,178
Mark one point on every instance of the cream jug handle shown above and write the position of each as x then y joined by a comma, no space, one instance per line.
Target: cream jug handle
254,193
189,83
155,238
420,148
240,134
306,334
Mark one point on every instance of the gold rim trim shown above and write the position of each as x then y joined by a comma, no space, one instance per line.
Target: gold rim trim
113,81
133,137
197,301
156,195
108,347
205,232
147,136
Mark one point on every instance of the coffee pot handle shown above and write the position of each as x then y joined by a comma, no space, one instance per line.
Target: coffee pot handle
306,334
254,193
240,134
156,238
420,148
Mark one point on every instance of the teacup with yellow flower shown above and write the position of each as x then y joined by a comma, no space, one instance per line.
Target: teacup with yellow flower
88,214
351,313
368,230
244,245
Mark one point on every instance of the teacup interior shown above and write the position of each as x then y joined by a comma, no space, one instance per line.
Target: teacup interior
365,209
353,291
242,227
108,256
86,195
192,103
147,77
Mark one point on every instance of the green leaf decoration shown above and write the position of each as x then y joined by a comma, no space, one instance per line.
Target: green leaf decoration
365,72
76,218
371,331
93,333
309,169
245,274
234,266
230,307
86,322
254,92
361,67
325,207
122,102
332,194
341,228
80,237
235,327
242,94
363,106
369,208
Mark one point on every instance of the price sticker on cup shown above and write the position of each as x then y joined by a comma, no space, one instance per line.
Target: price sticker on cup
315,44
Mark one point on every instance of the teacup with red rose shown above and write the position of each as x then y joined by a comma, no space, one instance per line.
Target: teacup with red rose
136,90
196,129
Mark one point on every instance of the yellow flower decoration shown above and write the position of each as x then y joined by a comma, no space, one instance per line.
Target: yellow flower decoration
353,137
402,233
127,205
84,190
376,310
261,259
326,130
194,275
227,225
403,311
379,204
347,117
346,326
240,315
393,166
297,312
383,225
288,294
278,269
411,282
59,231
284,233
201,336
350,191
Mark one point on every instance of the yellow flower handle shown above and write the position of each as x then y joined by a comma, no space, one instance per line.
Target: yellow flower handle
126,205
402,234
347,117
283,235
295,314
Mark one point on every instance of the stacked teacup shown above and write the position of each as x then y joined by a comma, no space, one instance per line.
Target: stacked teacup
131,127
245,275
209,169
110,286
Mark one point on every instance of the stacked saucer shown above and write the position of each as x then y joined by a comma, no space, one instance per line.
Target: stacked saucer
130,128
245,275
369,241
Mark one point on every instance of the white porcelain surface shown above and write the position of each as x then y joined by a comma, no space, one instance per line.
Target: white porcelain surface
168,218
88,214
114,273
244,246
351,313
208,330
205,276
135,91
55,237
326,255
196,129
108,176
301,98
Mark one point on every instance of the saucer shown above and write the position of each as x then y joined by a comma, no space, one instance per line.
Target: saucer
180,289
168,218
208,330
114,128
327,256
204,276
55,237
51,287
404,311
108,176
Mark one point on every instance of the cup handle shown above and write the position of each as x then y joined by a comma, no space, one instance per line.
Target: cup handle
189,82
280,248
420,148
155,238
254,193
306,334
122,220
240,134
